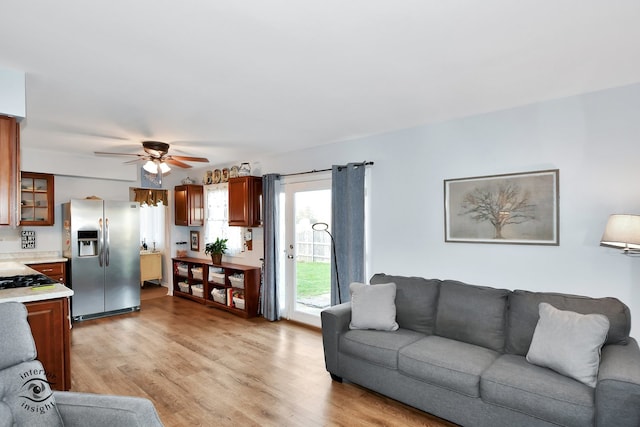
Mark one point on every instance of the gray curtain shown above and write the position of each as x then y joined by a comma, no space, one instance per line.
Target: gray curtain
270,306
347,221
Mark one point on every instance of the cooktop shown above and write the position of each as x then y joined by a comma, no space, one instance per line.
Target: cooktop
24,281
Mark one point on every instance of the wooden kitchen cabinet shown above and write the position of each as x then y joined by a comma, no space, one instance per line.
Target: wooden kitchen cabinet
245,196
55,270
36,199
9,170
189,205
49,321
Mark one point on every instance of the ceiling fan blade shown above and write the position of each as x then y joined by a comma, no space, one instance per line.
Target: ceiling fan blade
104,153
190,159
177,163
139,159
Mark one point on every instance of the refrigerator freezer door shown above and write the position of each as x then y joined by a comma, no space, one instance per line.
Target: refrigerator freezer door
87,277
122,255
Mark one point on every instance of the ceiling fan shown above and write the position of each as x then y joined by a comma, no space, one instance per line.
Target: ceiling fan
156,157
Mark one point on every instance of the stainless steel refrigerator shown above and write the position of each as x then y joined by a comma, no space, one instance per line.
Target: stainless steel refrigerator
102,240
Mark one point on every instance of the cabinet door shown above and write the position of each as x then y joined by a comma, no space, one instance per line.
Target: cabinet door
244,201
189,206
9,166
49,321
36,199
195,195
181,207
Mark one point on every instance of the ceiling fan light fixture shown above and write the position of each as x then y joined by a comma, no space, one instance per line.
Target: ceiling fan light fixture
164,168
150,167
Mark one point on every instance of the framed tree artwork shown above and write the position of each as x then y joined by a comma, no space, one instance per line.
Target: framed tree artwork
518,208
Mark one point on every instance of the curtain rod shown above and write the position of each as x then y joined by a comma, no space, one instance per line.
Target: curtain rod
365,163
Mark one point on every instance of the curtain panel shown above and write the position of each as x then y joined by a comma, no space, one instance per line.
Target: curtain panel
146,196
270,306
347,219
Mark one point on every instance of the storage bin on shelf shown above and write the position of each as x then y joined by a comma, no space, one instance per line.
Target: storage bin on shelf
219,295
197,290
183,286
238,303
196,273
216,277
237,280
183,269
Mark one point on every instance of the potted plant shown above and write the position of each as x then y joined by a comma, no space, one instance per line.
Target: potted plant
216,249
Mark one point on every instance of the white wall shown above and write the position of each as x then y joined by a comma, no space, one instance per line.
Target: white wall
592,139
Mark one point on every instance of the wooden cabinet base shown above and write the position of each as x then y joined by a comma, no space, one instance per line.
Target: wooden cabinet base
49,321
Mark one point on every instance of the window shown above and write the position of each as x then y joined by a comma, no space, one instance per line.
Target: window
217,219
152,226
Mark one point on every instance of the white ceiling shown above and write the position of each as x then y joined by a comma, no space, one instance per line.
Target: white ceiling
237,79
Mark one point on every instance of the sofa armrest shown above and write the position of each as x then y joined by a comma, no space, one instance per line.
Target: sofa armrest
85,409
335,321
618,388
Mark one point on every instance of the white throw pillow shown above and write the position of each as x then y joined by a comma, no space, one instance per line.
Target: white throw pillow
569,342
373,306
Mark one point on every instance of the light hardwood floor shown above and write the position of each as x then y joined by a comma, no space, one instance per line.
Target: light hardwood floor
205,367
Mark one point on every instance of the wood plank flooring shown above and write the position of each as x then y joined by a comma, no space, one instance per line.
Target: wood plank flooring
205,367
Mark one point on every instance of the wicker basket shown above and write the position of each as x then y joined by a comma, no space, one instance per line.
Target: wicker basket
219,295
237,281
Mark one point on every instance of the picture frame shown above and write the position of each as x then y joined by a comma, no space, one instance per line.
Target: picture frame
516,208
195,240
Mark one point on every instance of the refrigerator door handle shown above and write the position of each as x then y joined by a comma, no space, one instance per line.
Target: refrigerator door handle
101,242
108,243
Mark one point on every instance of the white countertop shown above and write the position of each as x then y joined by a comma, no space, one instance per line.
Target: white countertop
57,290
150,253
29,294
32,257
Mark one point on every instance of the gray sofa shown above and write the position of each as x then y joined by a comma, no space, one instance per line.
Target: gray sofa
27,400
460,354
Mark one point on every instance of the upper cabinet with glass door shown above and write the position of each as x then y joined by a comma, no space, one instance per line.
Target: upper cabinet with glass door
36,199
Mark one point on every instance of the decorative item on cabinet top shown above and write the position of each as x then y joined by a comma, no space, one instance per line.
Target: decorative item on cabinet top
245,169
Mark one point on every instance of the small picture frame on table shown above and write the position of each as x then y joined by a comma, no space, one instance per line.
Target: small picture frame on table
195,240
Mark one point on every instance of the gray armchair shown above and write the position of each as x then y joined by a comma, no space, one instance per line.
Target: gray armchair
27,400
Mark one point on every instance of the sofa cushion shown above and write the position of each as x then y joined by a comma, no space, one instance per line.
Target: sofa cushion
569,342
522,317
416,301
451,364
373,307
472,314
514,383
378,347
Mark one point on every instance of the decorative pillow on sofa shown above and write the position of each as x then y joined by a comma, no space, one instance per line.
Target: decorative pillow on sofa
569,342
373,306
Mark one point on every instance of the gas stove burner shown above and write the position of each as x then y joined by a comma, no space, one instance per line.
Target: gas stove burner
25,281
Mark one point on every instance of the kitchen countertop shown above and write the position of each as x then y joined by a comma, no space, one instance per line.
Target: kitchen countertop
29,294
32,257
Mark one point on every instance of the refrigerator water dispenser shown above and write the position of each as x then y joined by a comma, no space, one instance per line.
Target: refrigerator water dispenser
87,243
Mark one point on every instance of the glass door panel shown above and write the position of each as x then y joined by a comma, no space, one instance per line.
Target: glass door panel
308,252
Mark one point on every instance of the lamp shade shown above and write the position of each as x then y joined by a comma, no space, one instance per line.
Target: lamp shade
150,167
622,231
164,168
